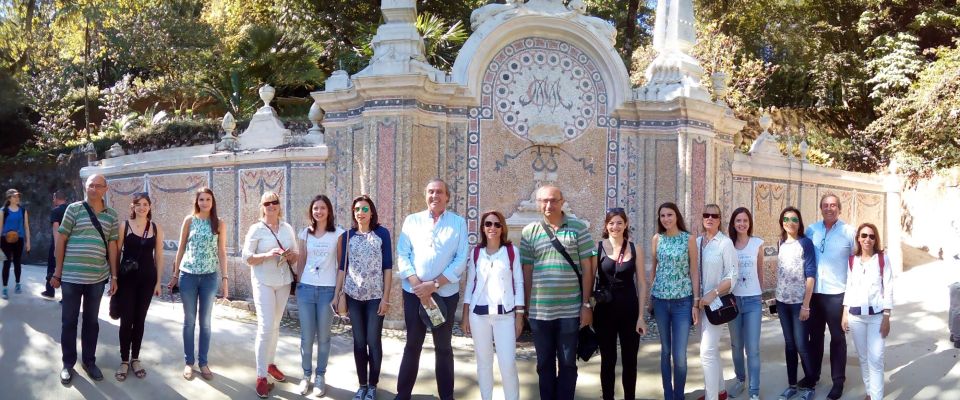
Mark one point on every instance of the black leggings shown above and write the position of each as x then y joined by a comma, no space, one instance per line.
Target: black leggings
136,291
13,251
612,320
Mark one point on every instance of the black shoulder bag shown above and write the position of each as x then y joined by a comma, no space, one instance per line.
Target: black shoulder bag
603,293
587,342
293,285
728,311
128,265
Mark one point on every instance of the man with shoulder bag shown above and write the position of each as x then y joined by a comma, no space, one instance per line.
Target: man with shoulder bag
557,254
86,256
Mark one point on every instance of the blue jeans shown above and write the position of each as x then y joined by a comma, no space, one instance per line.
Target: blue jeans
795,341
197,289
745,332
367,346
556,343
674,317
75,294
313,306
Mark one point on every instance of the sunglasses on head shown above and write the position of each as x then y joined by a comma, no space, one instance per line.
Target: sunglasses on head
271,203
487,224
868,235
361,208
615,210
711,215
791,219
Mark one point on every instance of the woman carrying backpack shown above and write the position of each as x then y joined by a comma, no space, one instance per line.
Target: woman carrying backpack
16,238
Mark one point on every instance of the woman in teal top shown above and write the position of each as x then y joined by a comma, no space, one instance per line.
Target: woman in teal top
675,280
201,254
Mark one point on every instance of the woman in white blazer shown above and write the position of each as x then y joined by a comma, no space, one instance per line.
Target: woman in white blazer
493,305
867,304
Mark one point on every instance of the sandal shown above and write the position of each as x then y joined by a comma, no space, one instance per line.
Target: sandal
138,369
205,373
188,372
121,374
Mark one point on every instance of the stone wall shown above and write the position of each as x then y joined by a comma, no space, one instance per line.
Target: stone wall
36,182
931,219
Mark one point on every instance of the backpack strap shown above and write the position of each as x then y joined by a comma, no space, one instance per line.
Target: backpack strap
476,255
850,262
880,259
511,255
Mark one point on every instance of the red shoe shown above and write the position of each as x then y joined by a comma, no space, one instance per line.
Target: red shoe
722,396
275,373
263,387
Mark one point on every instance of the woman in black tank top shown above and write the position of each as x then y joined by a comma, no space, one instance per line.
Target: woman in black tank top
143,243
620,316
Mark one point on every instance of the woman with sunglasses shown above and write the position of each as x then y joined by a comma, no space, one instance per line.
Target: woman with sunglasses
745,328
676,277
15,238
269,248
317,269
796,275
493,306
619,310
866,305
201,254
142,242
365,258
718,269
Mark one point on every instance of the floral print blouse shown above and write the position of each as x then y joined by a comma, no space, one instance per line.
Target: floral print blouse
365,257
673,267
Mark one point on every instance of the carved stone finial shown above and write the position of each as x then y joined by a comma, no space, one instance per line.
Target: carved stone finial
229,141
266,94
398,47
720,89
315,133
674,72
115,151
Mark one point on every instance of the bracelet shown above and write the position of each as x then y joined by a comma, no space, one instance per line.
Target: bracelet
805,308
54,276
521,311
114,277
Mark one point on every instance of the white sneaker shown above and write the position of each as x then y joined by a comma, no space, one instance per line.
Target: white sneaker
305,386
754,397
320,386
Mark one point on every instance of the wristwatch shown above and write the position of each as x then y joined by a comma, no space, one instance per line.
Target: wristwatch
436,284
588,306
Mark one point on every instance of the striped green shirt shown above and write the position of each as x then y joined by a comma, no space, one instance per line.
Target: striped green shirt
85,259
555,289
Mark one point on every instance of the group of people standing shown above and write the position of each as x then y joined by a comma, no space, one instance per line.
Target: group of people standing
558,280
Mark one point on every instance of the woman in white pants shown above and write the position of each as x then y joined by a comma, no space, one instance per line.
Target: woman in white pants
866,306
493,305
718,266
270,248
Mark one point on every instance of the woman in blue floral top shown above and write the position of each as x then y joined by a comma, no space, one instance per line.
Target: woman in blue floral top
796,275
675,280
365,256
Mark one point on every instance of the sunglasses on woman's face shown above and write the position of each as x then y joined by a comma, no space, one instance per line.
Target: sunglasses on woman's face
791,219
868,235
711,215
487,224
361,209
271,203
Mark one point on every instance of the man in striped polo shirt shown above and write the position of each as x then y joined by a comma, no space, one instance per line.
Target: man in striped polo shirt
558,303
86,257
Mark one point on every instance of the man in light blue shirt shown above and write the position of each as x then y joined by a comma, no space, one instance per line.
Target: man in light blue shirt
431,256
834,243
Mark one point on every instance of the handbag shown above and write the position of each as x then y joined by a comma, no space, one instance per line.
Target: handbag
341,305
587,343
128,265
603,293
293,285
728,309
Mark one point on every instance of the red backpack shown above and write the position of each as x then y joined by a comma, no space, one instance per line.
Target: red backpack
510,254
879,258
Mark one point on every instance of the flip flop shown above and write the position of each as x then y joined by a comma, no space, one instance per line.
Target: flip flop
138,369
122,375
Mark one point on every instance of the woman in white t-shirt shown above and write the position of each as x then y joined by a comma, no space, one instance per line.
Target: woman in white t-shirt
318,282
745,328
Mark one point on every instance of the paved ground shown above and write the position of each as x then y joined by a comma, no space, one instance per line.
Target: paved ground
921,363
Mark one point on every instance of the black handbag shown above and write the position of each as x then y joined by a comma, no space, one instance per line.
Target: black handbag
728,311
587,343
603,293
128,265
